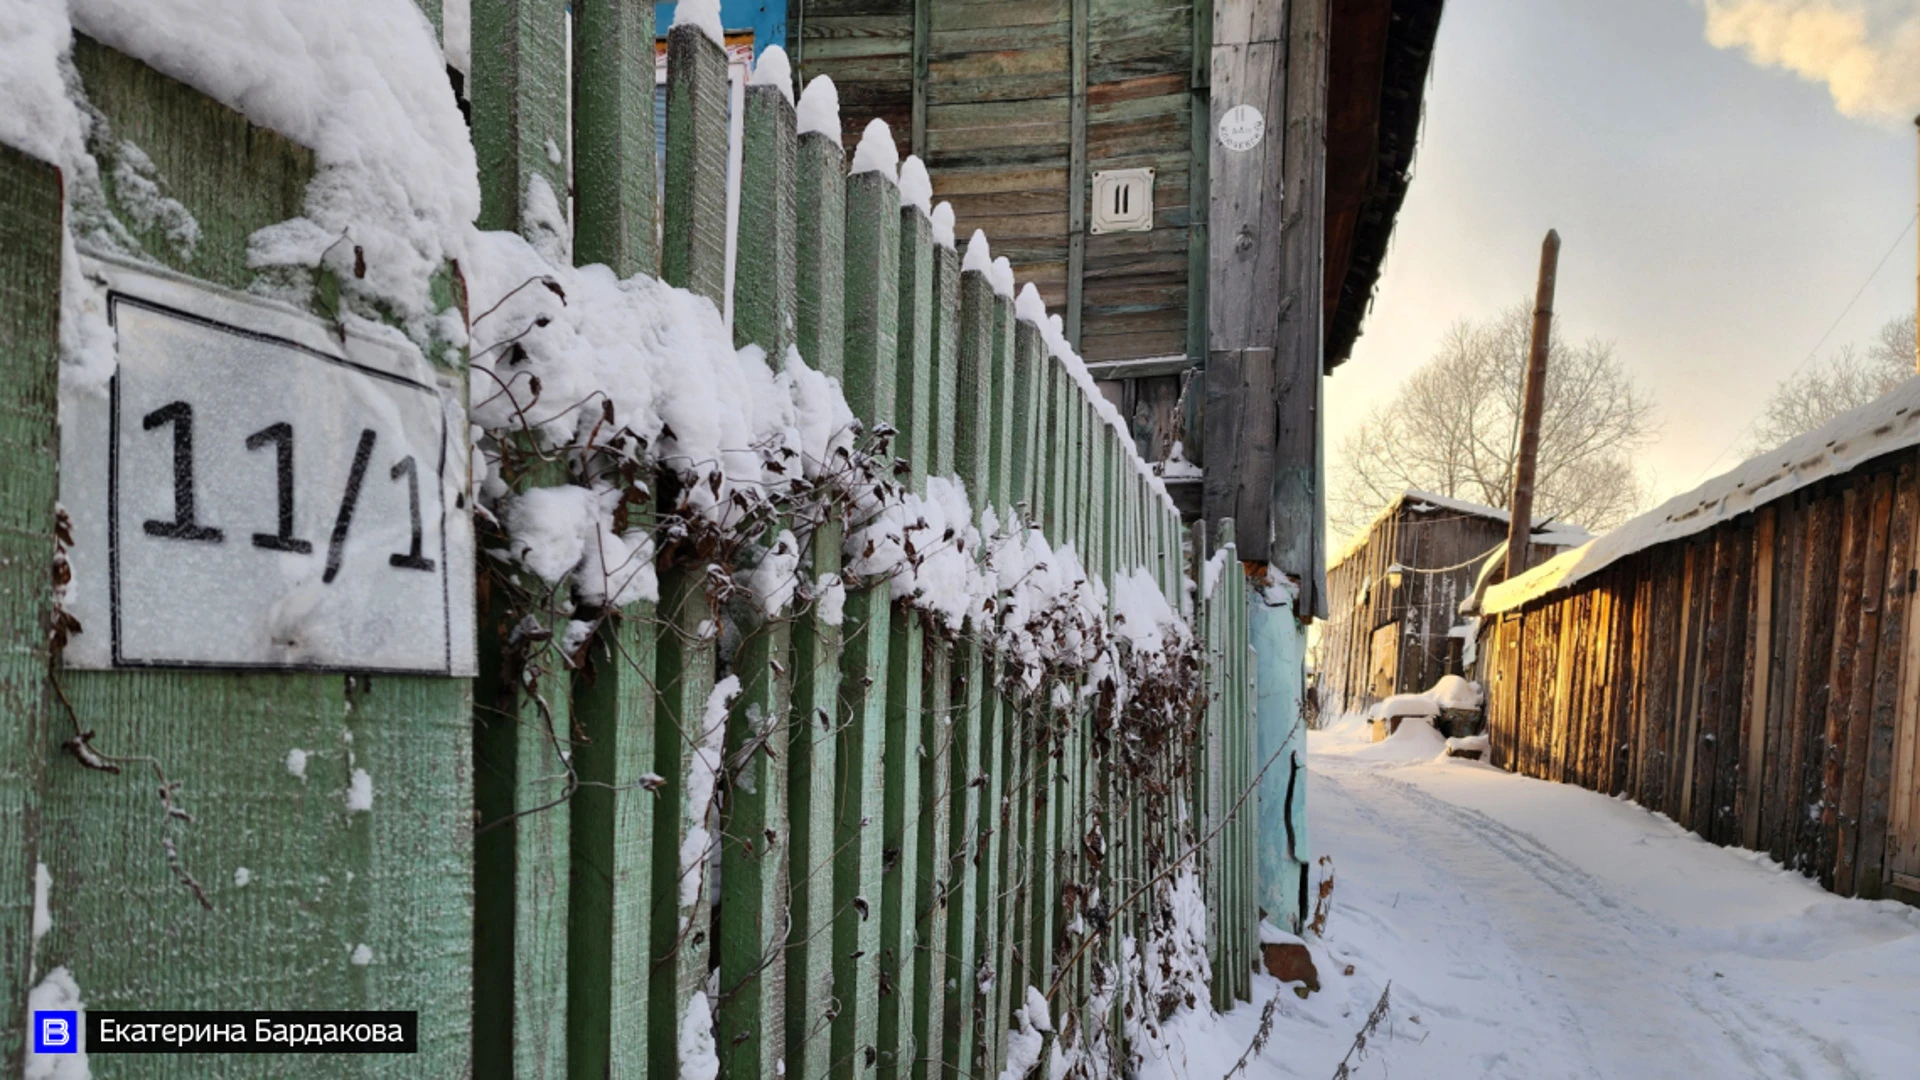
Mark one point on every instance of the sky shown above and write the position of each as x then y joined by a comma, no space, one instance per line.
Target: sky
1716,206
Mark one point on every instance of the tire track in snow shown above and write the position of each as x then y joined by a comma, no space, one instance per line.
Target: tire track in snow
1468,949
1759,1038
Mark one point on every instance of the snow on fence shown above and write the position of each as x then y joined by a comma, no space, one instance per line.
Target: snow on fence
1744,659
848,699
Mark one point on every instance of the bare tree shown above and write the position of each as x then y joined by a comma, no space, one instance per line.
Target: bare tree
1453,430
1848,380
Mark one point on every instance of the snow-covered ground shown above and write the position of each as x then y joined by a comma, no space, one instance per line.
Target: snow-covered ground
1538,930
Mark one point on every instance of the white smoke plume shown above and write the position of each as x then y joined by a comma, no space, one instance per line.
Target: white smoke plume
1867,52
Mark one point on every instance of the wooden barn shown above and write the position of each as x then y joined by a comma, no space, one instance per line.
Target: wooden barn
1744,659
1395,592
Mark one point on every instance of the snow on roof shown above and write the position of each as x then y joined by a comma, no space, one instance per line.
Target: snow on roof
1890,423
1545,530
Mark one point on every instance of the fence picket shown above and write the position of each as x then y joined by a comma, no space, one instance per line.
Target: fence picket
1004,736
522,843
693,257
900,900
612,814
613,144
751,1014
820,212
693,230
933,867
873,282
966,951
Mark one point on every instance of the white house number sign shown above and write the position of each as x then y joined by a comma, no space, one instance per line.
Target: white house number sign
272,497
1242,128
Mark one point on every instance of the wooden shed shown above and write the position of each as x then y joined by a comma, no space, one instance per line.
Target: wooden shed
1744,658
1132,158
1395,591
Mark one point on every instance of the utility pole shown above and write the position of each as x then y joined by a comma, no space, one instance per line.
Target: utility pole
1520,528
1916,282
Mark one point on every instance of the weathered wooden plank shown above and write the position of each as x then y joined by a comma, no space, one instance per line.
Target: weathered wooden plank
521,852
873,326
1003,722
1903,825
765,298
1710,682
1853,751
1726,814
611,817
693,227
1685,734
906,734
519,108
1811,689
820,209
613,143
681,942
750,1020
1297,518
965,947
1199,200
922,56
1759,680
1840,666
1779,816
612,851
31,237
991,14
935,869
1246,190
693,256
1895,598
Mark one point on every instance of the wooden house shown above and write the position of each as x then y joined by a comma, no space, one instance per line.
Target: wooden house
1203,191
1395,591
1744,658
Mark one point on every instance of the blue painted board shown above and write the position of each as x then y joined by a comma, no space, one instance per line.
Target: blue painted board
766,18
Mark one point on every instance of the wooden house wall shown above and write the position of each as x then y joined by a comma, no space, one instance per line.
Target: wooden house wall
1140,109
998,92
866,47
1426,606
1759,683
1358,602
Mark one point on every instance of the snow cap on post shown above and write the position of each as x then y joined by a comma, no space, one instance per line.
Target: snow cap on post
820,110
1028,307
1054,330
876,152
773,69
979,255
916,187
1001,274
703,15
943,225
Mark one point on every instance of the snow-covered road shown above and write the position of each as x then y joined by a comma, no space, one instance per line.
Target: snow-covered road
1536,930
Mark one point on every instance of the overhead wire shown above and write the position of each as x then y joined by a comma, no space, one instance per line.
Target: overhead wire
1747,428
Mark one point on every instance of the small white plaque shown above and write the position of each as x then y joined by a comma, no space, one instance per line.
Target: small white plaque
256,492
1122,201
1242,128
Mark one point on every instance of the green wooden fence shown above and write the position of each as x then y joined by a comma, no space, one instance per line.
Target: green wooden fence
908,839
